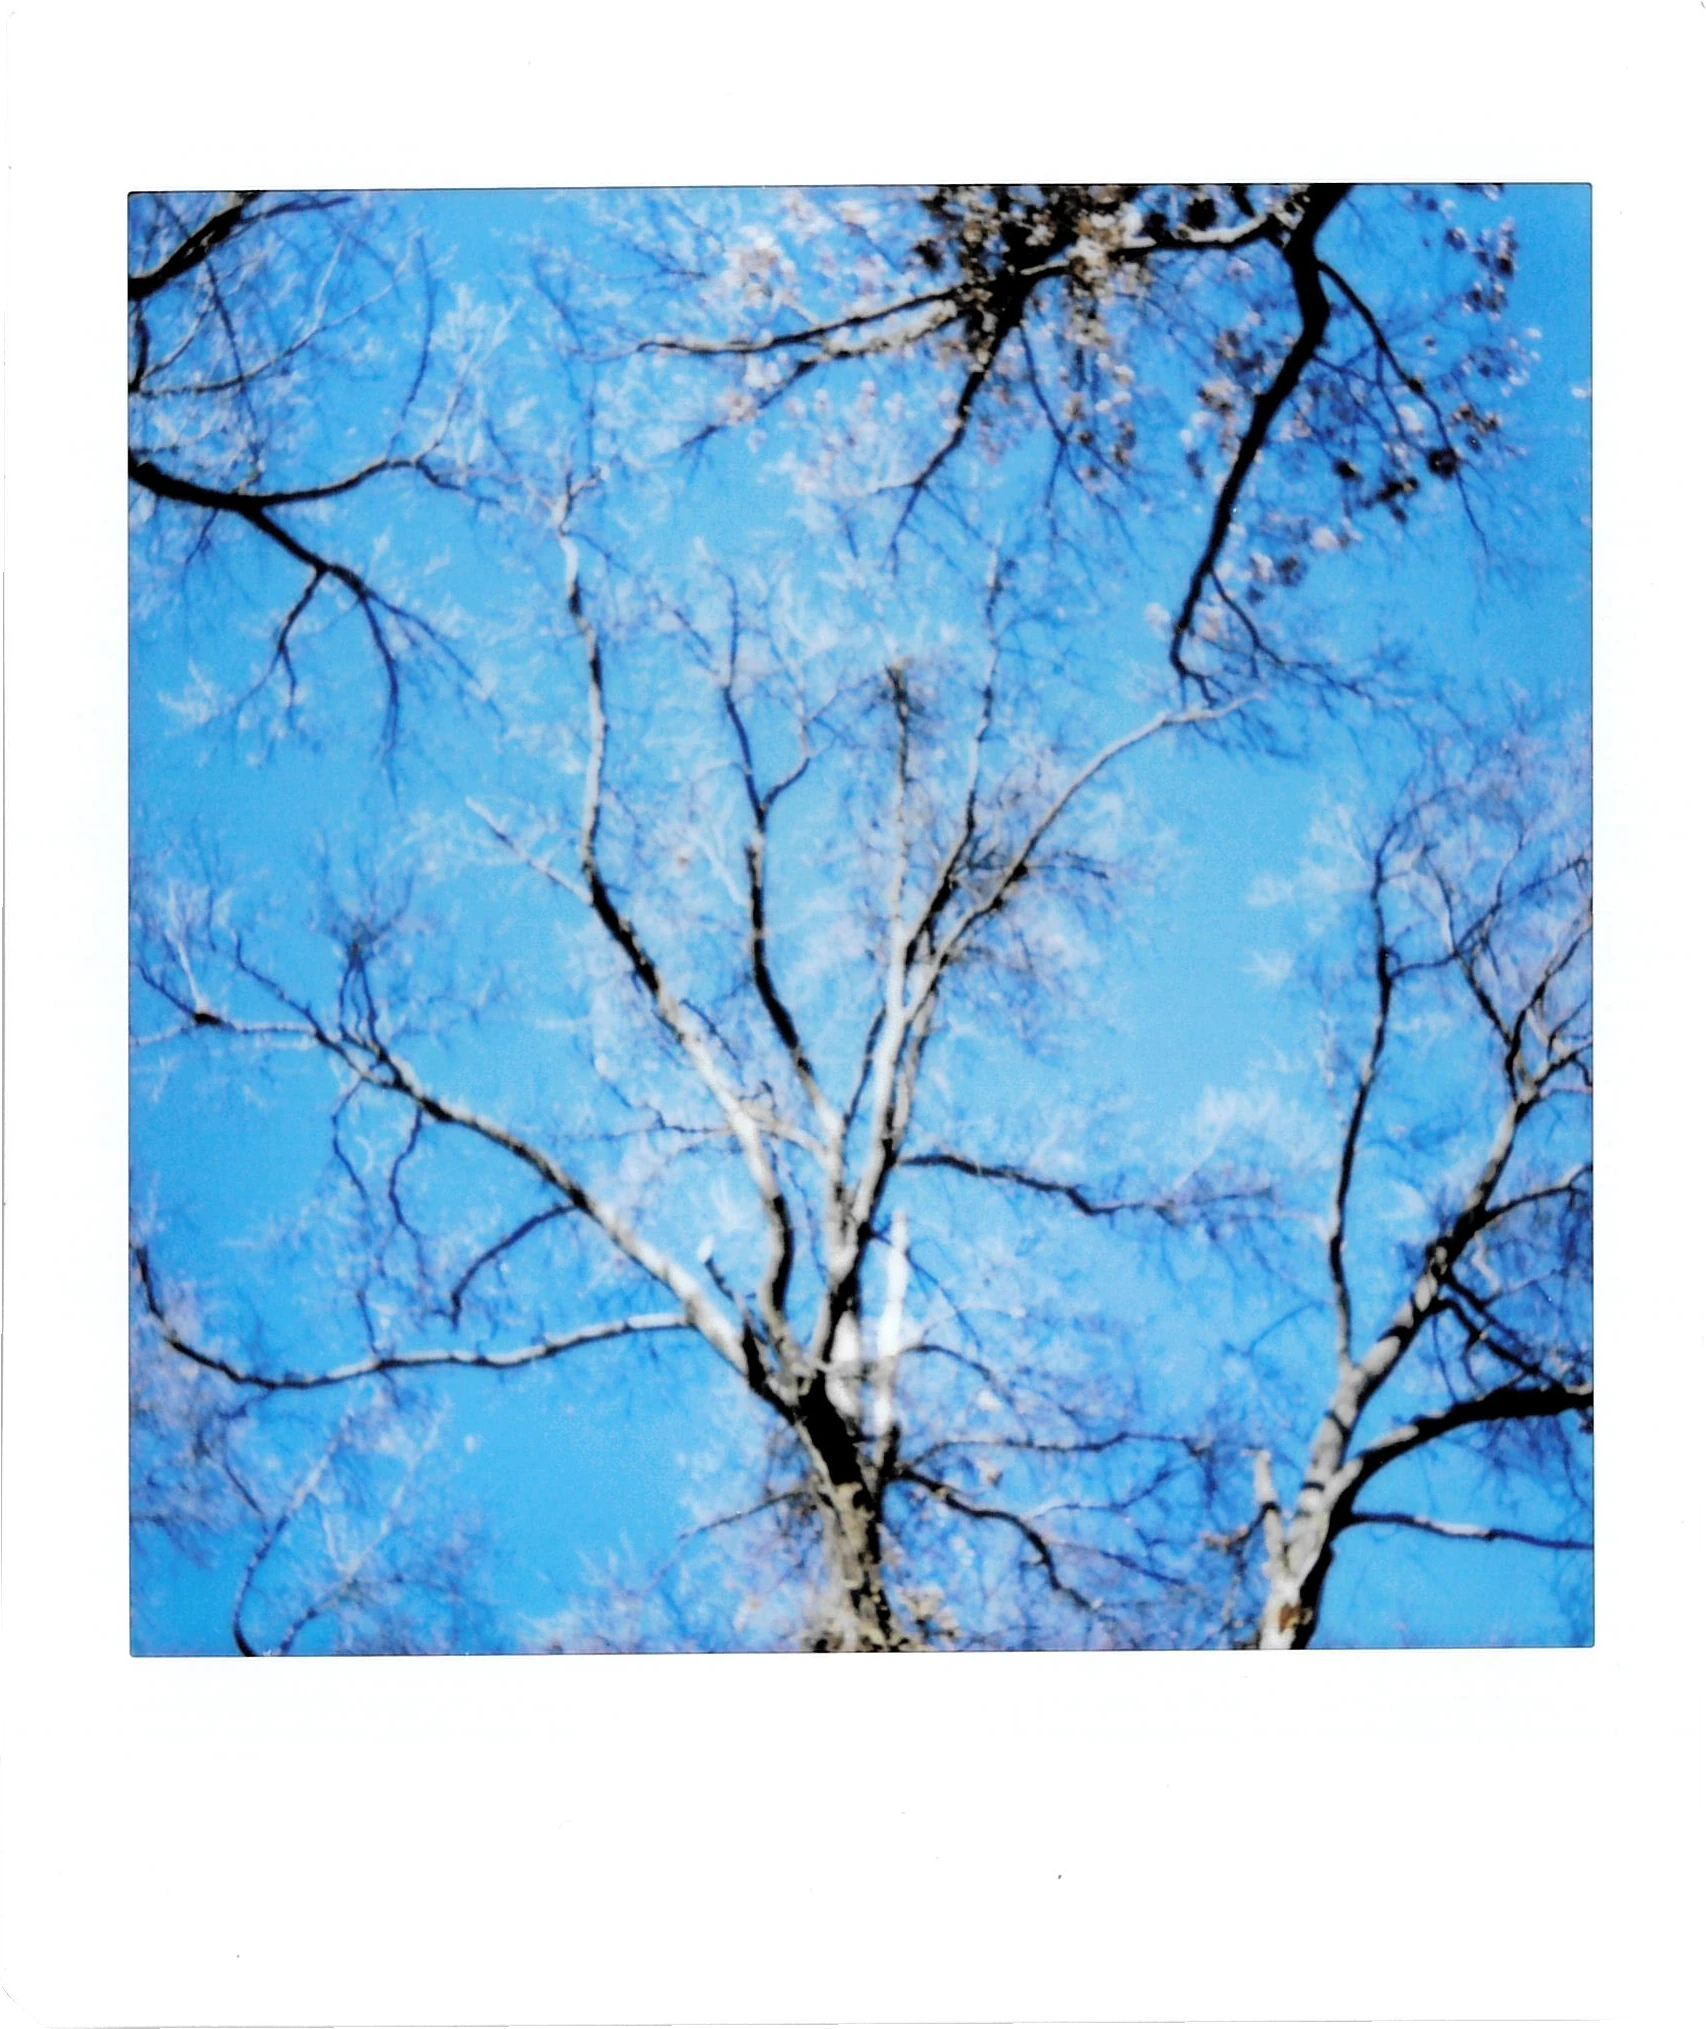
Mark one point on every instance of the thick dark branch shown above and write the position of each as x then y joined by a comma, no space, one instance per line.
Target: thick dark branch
1514,1403
253,506
247,507
372,604
1384,979
1318,205
762,803
298,495
191,252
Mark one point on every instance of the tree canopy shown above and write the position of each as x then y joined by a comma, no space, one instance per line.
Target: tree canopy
861,918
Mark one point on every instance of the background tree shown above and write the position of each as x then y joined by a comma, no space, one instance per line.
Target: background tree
737,1011
337,1520
958,858
1465,1147
1157,344
263,410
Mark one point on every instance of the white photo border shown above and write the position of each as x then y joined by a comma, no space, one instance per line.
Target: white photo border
926,1839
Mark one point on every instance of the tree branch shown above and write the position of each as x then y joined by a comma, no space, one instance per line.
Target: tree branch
372,1061
963,1504
1469,1532
391,1363
1170,1209
769,994
1318,205
1512,1403
671,1011
192,251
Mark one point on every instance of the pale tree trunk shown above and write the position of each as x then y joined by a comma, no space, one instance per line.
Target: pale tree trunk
857,1612
1300,1551
849,1467
1299,1557
1300,1548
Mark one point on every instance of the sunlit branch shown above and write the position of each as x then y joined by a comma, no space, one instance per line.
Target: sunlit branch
1300,1546
374,1063
351,1574
671,1011
1467,1532
1018,864
304,1493
392,1363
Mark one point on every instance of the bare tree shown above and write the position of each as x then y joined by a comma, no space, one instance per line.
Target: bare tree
676,1025
808,1302
245,308
1477,909
1101,316
338,1516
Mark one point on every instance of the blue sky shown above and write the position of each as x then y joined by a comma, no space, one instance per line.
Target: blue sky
569,1468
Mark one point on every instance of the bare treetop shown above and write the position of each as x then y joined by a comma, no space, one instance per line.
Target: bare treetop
831,667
